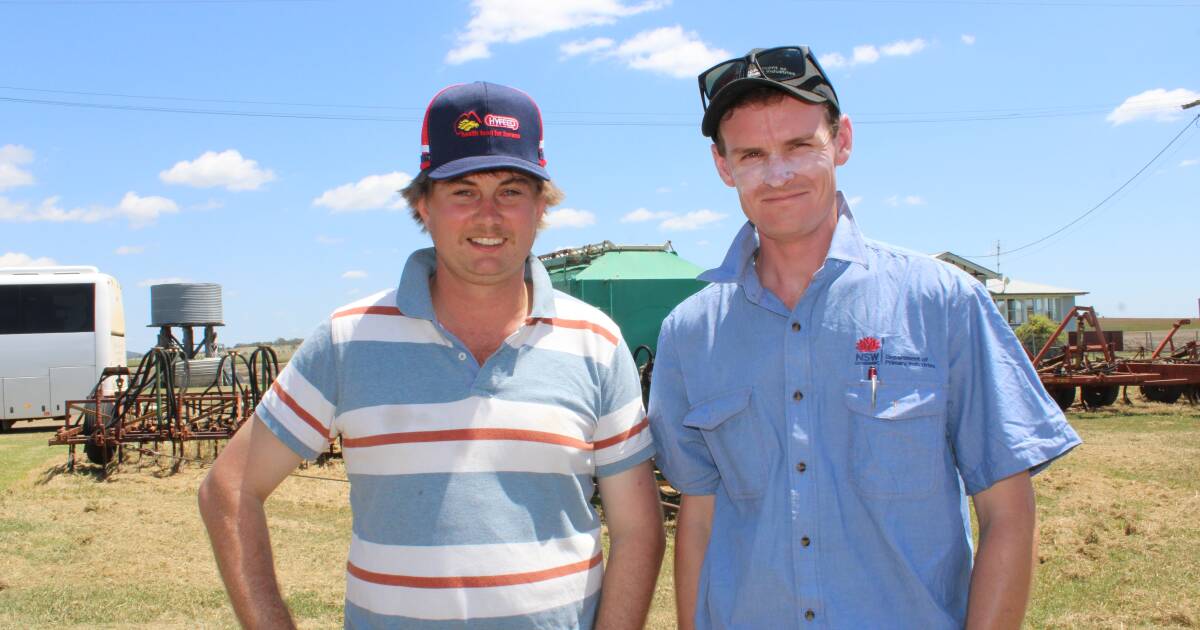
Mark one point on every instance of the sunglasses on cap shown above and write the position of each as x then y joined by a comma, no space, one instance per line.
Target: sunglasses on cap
794,67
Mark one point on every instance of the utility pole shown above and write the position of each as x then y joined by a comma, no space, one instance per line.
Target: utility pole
998,258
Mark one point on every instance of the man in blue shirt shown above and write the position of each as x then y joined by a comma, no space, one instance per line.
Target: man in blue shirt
828,402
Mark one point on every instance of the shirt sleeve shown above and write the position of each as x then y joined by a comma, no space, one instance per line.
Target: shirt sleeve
683,457
1002,421
301,404
621,440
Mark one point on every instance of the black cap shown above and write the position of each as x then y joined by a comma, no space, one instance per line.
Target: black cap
812,86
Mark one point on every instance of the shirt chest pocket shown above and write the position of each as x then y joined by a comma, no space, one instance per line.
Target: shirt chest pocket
734,434
898,438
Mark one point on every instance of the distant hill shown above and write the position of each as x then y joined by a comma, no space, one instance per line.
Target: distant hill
130,355
1145,323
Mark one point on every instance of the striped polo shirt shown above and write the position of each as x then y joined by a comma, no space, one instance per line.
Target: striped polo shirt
470,484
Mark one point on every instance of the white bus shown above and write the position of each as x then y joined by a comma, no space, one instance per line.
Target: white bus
59,328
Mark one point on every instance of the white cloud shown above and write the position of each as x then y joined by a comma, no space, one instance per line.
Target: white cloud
854,201
512,21
138,210
373,192
907,200
126,250
691,221
354,274
864,54
968,39
869,53
227,169
144,210
581,47
903,48
48,210
1187,163
662,190
17,259
11,173
149,282
668,50
1159,105
641,215
569,218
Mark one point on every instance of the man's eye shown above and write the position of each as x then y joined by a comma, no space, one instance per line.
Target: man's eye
463,192
512,192
750,155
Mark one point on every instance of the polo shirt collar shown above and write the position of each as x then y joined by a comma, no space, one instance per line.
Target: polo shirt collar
414,300
847,245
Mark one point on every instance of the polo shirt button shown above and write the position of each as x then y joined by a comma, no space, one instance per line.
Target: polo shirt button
462,356
797,395
801,467
804,542
795,326
810,615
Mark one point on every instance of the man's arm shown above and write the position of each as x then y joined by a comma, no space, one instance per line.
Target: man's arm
1003,569
636,542
231,504
692,529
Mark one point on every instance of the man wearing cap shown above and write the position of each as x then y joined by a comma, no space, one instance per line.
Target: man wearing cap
474,404
827,403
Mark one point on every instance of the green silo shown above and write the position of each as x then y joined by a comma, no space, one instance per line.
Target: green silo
636,285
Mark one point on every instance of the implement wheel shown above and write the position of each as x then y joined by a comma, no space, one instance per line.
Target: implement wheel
1167,394
1064,395
1099,395
96,453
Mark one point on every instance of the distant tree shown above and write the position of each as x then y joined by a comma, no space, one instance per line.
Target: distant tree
1035,331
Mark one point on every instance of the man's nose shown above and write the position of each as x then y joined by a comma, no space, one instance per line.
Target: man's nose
778,171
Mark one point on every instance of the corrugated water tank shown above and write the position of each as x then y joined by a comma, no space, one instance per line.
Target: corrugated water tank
186,304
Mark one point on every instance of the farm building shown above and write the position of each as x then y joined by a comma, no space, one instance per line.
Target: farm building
1018,300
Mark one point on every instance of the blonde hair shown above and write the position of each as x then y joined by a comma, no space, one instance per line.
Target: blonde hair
421,185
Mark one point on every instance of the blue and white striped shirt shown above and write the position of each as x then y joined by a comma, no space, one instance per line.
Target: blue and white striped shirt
470,484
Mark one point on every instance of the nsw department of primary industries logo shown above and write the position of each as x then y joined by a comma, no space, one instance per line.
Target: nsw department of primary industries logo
867,351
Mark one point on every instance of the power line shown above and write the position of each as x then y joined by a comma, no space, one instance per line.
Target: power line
1102,201
1032,3
891,118
153,2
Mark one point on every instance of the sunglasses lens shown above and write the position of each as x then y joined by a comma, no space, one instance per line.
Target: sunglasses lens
723,75
783,64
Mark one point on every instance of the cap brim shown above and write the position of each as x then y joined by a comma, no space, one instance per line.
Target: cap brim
476,163
730,93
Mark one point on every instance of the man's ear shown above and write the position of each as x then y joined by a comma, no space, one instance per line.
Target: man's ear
423,210
722,167
844,141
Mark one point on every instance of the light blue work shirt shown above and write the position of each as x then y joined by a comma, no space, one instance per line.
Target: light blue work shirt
837,506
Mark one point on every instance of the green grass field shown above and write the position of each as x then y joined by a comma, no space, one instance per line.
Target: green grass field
1119,538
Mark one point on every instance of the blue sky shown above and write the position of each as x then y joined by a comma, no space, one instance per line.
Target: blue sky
256,144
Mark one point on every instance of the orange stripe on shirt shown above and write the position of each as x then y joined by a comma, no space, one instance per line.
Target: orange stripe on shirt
368,310
474,581
578,324
457,435
621,437
299,411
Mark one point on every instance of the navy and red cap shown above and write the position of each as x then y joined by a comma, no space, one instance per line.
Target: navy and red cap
481,126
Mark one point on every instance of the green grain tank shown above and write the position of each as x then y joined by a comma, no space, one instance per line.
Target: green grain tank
636,285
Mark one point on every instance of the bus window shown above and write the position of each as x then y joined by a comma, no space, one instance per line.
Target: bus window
50,308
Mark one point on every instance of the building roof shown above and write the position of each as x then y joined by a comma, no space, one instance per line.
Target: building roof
970,267
1018,288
